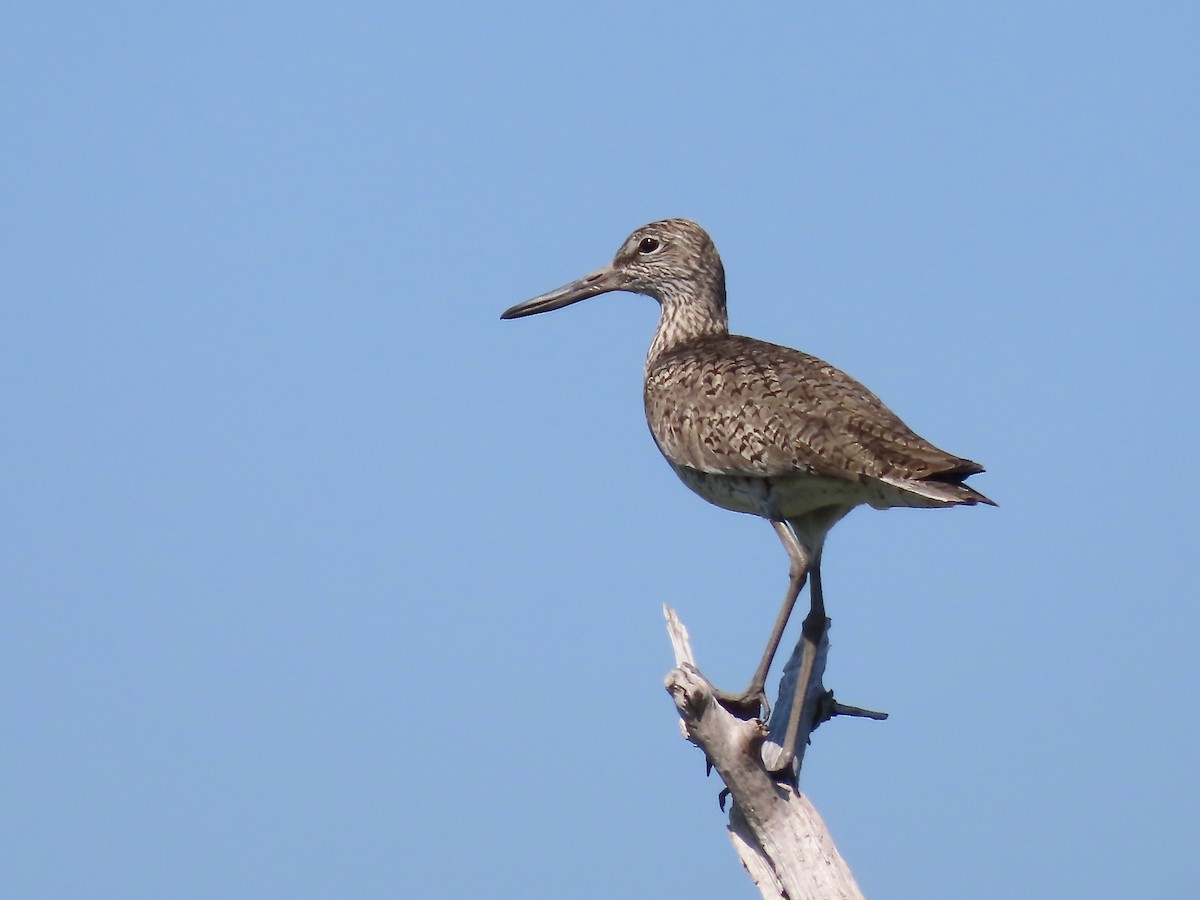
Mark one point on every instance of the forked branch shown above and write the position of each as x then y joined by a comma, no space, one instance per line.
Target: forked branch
780,838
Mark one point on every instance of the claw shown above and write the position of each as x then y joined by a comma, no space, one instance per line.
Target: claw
750,704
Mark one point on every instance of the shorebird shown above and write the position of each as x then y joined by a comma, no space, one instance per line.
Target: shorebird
758,428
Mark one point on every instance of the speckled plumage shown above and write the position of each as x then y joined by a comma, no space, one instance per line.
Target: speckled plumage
728,405
759,428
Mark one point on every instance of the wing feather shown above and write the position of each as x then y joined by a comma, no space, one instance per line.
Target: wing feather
732,404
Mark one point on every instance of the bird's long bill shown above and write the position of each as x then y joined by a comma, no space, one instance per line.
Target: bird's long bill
599,282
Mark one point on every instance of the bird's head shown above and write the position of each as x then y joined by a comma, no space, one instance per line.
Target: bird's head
674,261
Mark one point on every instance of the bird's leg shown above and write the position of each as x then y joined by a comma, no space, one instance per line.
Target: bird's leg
812,632
750,702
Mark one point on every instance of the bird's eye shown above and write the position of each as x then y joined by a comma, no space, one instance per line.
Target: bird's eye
648,245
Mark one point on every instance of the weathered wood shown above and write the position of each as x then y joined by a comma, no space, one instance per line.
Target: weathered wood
780,838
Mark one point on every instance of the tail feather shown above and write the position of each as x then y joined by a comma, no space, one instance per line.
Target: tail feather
944,488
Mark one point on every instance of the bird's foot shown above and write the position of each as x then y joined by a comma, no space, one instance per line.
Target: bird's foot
749,704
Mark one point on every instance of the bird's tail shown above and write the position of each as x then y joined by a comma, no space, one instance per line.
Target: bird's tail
942,489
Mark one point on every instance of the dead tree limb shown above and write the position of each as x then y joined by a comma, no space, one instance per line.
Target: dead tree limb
780,838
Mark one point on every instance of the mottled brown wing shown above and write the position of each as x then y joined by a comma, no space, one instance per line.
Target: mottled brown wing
733,404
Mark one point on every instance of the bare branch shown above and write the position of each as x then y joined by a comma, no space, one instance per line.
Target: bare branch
780,838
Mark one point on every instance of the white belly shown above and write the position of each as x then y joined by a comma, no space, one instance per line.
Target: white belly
793,496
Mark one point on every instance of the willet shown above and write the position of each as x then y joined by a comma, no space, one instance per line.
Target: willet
758,428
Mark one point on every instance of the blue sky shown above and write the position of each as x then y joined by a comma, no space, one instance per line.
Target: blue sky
320,581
